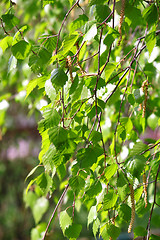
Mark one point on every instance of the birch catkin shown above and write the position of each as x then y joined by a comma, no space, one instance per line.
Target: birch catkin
78,63
121,21
145,189
145,90
132,208
69,63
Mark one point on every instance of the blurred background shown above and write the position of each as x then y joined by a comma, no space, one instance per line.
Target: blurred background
20,142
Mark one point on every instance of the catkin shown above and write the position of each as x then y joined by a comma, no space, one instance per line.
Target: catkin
132,208
121,21
145,189
78,63
69,64
145,90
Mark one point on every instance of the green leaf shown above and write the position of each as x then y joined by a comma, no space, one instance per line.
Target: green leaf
96,226
68,43
57,159
95,136
127,123
30,199
110,171
92,113
35,234
50,90
21,49
40,81
65,220
101,12
52,118
154,237
138,193
110,200
57,135
77,89
6,42
138,147
18,35
91,83
124,212
109,230
71,2
44,181
113,231
130,13
86,157
58,78
93,2
74,85
109,70
91,33
150,41
92,215
40,208
32,172
61,170
45,2
104,233
47,158
150,14
137,96
76,183
131,99
139,231
140,208
152,121
122,192
49,42
110,37
10,20
73,231
94,190
39,59
136,165
78,23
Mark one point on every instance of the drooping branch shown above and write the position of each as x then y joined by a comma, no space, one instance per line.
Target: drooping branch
58,204
154,203
58,36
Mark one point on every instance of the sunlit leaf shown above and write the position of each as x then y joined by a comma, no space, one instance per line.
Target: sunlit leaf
92,214
73,231
6,42
65,220
40,208
58,78
96,226
139,231
91,33
101,12
150,14
78,23
21,49
110,200
76,183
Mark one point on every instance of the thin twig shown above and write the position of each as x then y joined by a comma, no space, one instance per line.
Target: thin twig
58,36
4,27
105,20
154,202
59,202
150,148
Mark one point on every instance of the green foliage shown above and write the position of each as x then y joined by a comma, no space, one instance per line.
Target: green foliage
95,83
